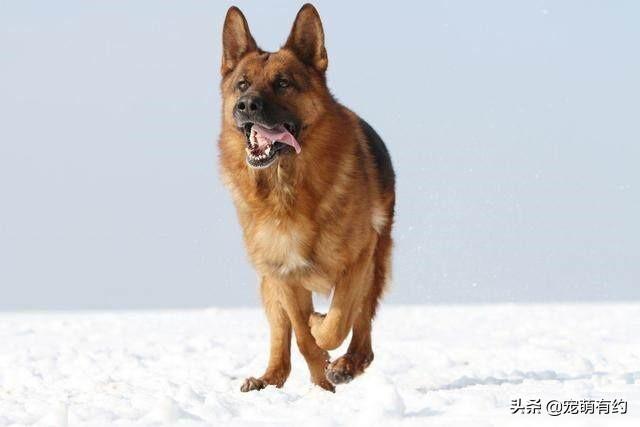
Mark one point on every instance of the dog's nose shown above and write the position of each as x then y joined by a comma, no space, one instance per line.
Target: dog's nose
250,104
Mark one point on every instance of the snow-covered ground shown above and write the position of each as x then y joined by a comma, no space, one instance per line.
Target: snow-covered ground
434,365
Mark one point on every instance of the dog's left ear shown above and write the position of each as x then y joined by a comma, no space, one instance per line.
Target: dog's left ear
237,40
306,39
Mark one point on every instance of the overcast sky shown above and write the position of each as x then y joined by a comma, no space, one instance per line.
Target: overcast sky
514,129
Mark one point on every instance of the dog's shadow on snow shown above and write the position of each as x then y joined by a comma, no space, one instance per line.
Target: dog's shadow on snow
516,377
425,412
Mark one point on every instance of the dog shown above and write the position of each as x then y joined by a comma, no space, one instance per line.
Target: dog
314,190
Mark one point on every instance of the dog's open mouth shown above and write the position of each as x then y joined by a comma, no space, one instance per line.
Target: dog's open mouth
264,144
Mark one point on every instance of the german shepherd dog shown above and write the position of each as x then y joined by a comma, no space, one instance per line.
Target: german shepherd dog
314,191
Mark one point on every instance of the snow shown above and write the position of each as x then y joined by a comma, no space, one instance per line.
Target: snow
434,365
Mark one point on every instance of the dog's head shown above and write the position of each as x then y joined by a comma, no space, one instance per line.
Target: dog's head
271,98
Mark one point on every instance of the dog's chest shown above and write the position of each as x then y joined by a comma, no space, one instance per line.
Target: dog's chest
282,247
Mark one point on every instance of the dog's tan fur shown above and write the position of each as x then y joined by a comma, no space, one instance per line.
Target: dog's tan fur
317,221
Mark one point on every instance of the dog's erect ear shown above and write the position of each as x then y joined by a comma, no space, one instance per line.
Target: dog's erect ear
306,39
237,40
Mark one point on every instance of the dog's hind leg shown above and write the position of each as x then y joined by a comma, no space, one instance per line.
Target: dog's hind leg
359,355
280,353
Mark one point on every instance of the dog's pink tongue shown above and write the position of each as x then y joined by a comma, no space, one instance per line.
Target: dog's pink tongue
265,136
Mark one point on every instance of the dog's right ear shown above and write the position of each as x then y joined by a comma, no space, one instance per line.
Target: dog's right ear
237,40
306,39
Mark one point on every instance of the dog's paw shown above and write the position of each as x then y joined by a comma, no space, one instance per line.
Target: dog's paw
325,384
347,367
275,377
252,383
315,320
341,371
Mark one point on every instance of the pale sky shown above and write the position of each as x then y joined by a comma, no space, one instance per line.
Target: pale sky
513,127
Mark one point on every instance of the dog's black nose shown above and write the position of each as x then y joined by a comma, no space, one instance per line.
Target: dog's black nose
251,104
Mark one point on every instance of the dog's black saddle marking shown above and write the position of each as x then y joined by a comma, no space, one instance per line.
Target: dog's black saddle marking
386,175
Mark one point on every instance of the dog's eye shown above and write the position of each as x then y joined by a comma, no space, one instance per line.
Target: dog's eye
243,85
282,83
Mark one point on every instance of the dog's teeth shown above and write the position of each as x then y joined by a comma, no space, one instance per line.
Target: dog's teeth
268,150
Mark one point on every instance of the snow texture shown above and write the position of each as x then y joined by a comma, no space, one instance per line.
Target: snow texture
434,365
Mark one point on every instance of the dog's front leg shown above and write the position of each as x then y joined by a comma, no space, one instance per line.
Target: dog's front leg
298,304
330,330
280,354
